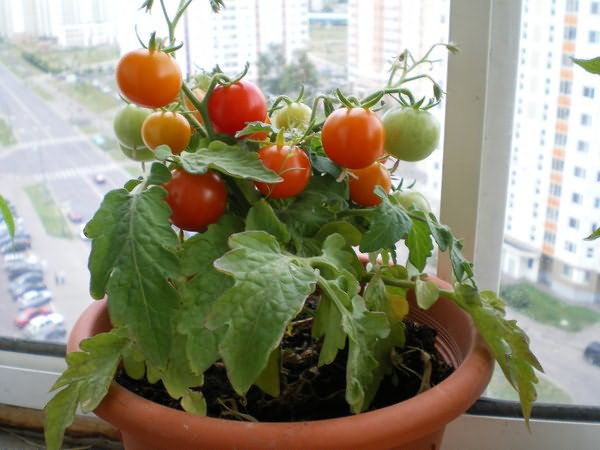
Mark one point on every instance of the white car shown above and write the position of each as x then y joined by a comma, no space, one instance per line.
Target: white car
41,327
34,298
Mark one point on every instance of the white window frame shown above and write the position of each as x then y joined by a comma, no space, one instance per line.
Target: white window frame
477,147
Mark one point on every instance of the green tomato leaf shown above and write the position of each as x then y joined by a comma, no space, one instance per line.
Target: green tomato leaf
418,242
228,159
389,223
193,402
254,127
132,261
261,217
159,174
204,286
178,377
508,343
85,381
427,293
7,216
270,289
350,233
327,324
268,380
162,152
591,65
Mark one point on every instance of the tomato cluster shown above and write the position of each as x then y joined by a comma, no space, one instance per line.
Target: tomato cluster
352,136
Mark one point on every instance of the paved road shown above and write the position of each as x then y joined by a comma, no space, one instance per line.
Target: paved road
52,151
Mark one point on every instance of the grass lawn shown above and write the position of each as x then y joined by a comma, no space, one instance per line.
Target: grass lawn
547,309
6,135
50,214
90,96
548,392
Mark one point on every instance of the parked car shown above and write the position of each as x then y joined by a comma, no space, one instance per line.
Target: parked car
22,267
5,237
17,245
26,278
26,315
74,216
99,178
33,286
10,258
41,327
31,299
592,353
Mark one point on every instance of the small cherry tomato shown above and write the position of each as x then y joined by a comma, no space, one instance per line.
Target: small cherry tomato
291,164
231,107
363,182
353,137
166,128
196,201
412,199
149,78
141,153
127,125
410,134
294,115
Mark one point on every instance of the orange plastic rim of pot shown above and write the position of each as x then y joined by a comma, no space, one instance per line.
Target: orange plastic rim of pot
417,423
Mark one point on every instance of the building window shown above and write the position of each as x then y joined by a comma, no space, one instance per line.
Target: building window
586,120
579,172
570,33
565,86
552,214
560,139
549,237
555,189
567,270
572,5
576,198
562,113
588,92
570,247
573,223
589,252
558,164
595,7
583,146
530,263
593,37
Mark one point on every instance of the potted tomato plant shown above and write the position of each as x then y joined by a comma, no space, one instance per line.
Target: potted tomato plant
230,274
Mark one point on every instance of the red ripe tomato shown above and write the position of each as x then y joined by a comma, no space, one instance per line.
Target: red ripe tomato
196,201
363,182
231,107
149,78
166,128
291,164
353,137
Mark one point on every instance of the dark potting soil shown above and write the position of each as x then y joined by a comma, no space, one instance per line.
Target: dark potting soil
310,392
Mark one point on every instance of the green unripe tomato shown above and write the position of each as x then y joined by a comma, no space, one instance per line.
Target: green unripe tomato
410,134
138,154
128,125
294,115
412,199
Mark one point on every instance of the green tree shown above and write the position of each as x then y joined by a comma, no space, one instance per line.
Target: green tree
277,77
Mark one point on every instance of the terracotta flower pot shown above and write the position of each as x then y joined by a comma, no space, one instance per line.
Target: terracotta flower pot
414,424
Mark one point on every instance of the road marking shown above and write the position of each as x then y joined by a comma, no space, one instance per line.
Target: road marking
74,172
8,150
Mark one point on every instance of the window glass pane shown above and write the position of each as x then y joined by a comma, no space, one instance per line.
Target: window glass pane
557,296
58,152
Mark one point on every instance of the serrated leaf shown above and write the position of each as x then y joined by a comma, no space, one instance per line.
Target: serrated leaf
418,242
131,184
427,293
255,127
327,324
133,363
270,289
162,152
261,217
228,159
204,286
60,413
85,381
159,174
389,223
268,380
508,343
349,232
591,65
178,376
130,233
193,402
7,216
